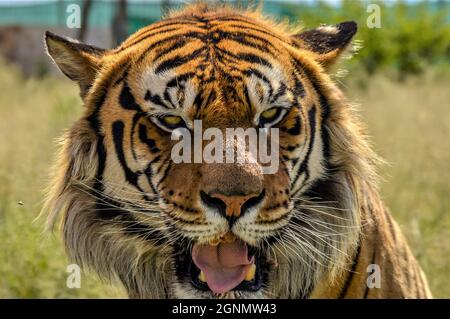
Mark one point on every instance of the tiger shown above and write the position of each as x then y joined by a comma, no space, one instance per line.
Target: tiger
160,228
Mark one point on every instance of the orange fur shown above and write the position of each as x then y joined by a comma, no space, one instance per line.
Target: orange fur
126,207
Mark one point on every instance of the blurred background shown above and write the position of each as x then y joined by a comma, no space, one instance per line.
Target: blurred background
399,77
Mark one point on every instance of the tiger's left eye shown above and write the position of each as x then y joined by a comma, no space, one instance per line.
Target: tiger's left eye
271,116
172,120
169,122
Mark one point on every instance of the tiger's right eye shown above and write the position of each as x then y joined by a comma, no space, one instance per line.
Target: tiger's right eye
271,116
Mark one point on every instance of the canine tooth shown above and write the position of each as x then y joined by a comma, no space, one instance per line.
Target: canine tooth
215,242
202,277
229,238
250,272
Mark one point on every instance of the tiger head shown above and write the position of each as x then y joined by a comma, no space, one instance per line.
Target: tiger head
201,228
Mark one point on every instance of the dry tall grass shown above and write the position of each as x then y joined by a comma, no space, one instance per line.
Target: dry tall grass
33,113
410,128
410,125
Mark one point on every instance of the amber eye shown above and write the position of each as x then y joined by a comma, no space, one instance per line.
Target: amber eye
169,122
271,116
172,120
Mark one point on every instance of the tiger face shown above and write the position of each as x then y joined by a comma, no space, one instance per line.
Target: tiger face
193,228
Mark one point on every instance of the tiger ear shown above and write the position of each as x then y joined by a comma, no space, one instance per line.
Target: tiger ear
79,62
327,42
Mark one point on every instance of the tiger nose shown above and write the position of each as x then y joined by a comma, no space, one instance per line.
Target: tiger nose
232,206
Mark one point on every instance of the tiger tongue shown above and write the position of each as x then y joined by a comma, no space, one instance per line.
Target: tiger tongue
224,266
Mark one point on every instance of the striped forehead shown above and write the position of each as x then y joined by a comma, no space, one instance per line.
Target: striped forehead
268,87
167,90
178,59
265,86
171,34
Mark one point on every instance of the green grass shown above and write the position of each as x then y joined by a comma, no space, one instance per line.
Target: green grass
33,113
409,122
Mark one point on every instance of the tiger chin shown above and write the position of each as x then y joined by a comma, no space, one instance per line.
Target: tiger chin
166,229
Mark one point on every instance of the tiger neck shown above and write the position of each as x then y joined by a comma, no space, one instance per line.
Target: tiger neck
363,199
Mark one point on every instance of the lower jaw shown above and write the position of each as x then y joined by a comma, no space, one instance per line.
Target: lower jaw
186,291
253,285
188,274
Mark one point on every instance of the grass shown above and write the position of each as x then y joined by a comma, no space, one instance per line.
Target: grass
34,112
409,122
410,128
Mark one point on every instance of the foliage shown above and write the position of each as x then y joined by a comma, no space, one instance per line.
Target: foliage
411,37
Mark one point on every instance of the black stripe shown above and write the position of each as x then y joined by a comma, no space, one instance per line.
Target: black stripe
260,76
177,37
118,132
168,98
113,211
211,96
178,61
296,129
93,118
202,101
101,152
149,173
325,107
280,92
255,28
299,89
146,140
291,148
165,174
100,100
350,275
94,122
366,292
244,42
243,38
155,99
252,58
150,32
247,98
227,61
178,82
180,78
130,176
127,100
101,158
122,77
325,110
143,37
136,118
303,168
178,44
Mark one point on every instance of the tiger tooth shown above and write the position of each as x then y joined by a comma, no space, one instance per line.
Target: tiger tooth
250,272
214,242
202,277
229,238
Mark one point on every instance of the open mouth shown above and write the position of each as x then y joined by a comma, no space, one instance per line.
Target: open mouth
225,267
